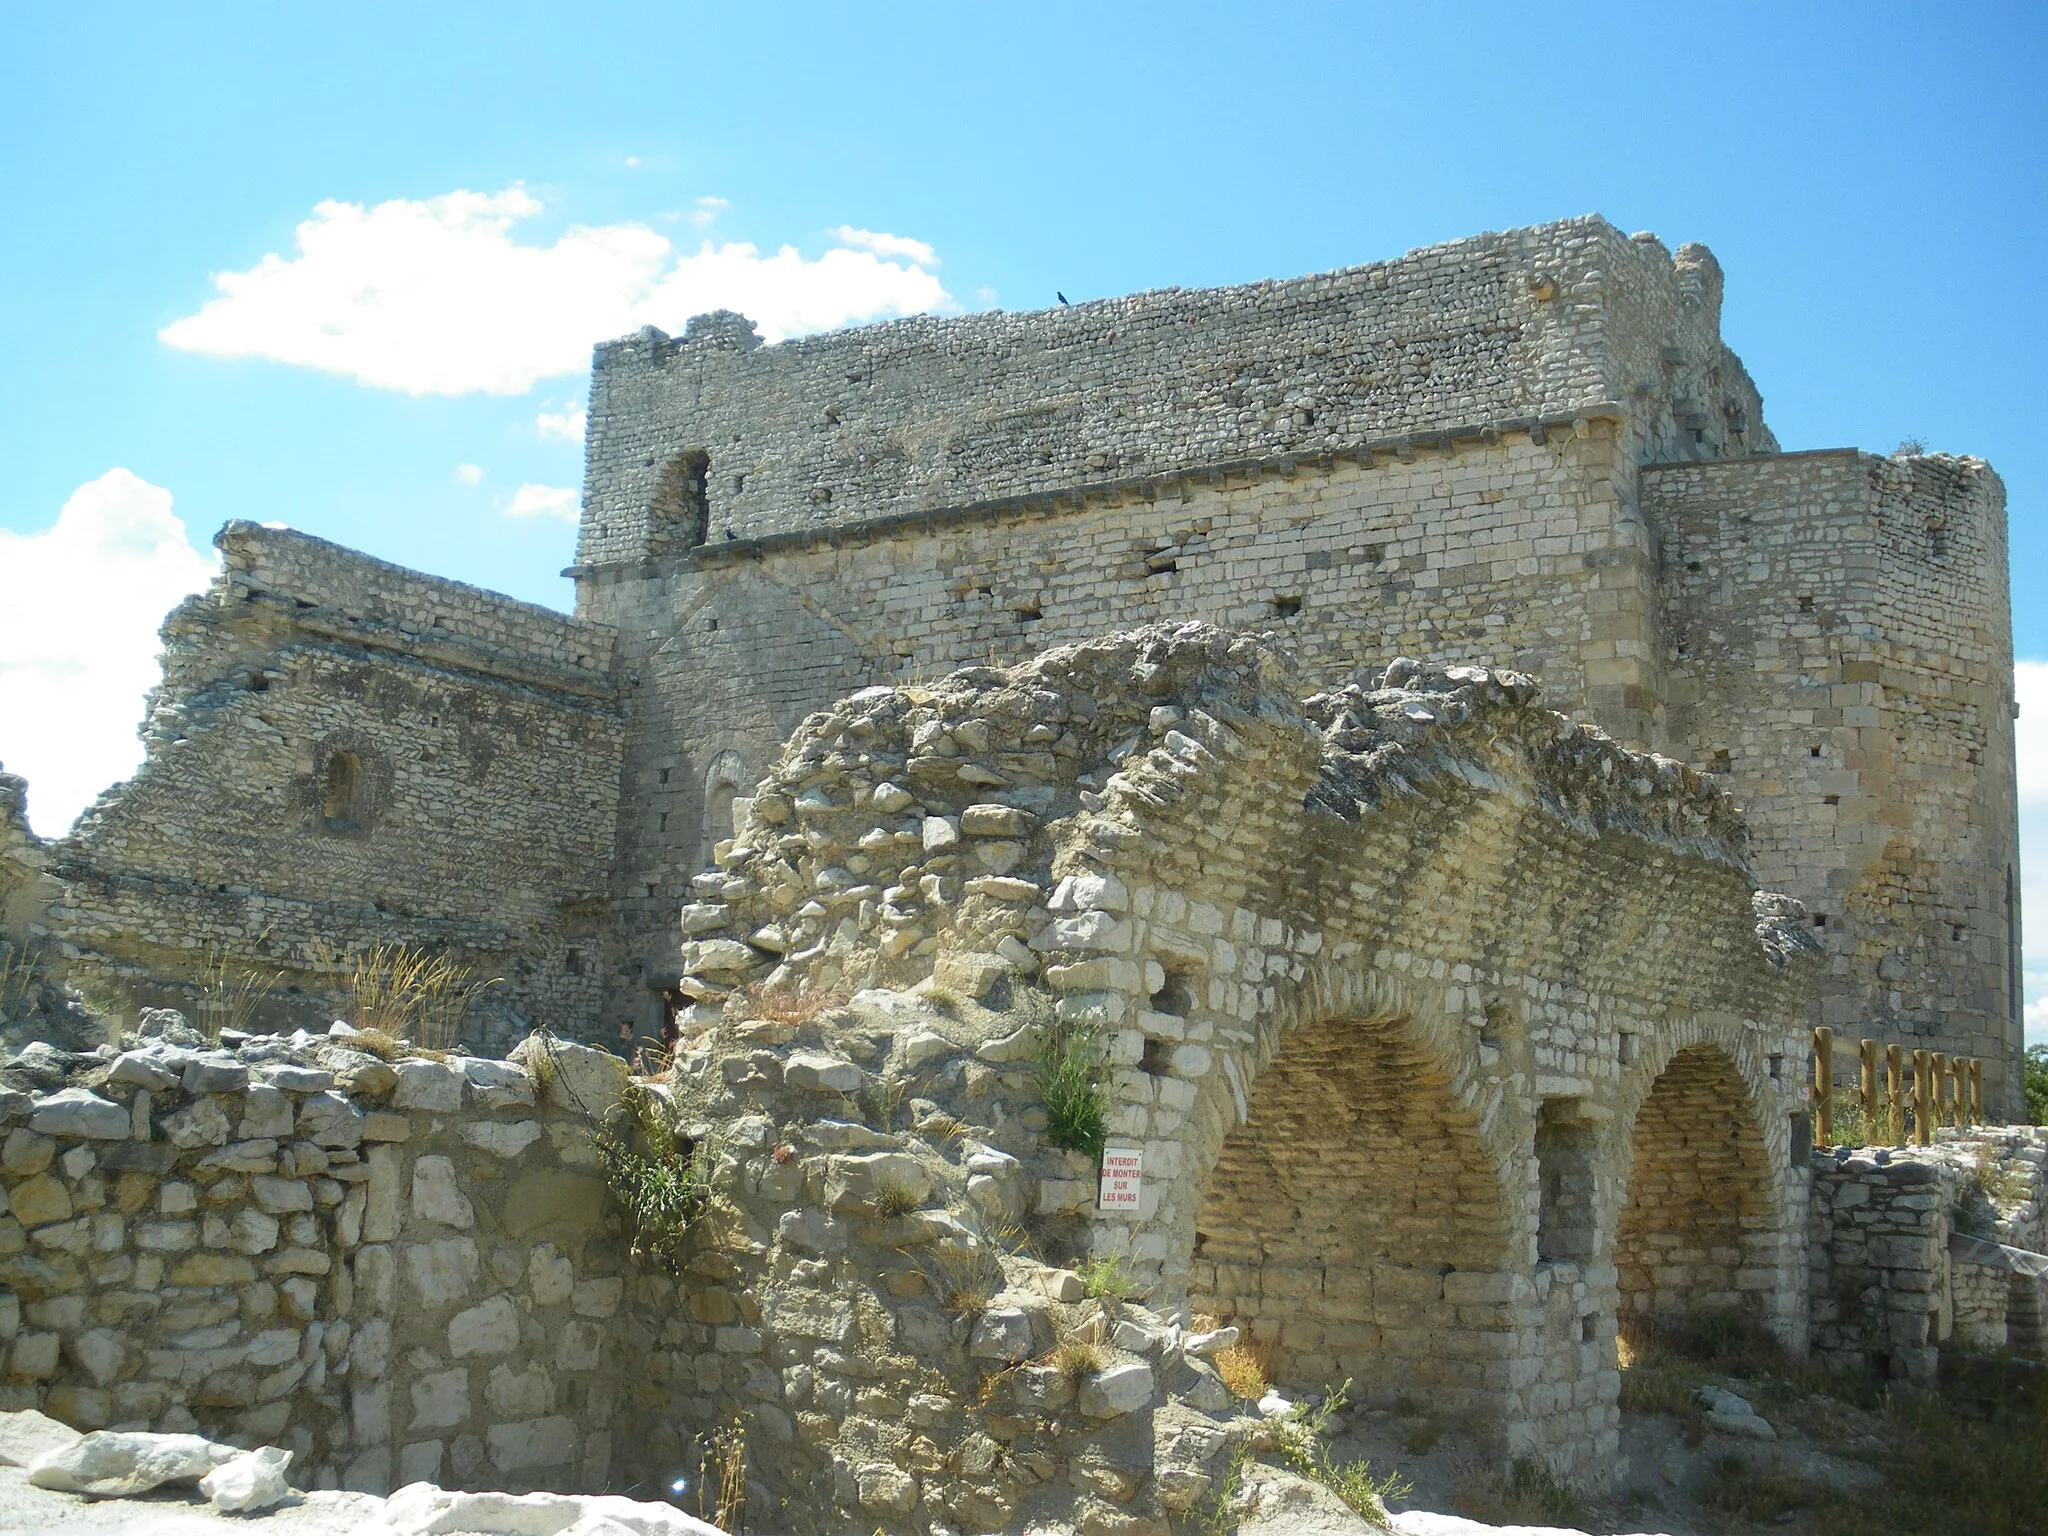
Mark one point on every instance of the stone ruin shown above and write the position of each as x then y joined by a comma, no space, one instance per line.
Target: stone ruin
1439,1036
1450,1035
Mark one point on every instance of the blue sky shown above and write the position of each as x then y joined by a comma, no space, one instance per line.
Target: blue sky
1871,176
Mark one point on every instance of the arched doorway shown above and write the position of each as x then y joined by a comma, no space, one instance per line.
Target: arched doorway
1697,1231
1355,1225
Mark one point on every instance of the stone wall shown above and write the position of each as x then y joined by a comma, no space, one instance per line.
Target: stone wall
1518,549
1837,646
400,1272
344,754
923,413
1914,1249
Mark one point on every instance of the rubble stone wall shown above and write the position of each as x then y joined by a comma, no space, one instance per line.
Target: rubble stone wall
399,1272
344,754
1912,1249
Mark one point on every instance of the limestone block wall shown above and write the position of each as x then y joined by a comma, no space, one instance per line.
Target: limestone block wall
401,1272
1408,883
344,754
1914,1249
1837,647
931,412
1522,548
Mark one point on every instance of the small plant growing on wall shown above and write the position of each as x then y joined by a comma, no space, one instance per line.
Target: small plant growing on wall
660,1181
1073,1075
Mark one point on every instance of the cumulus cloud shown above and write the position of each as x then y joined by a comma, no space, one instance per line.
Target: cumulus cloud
469,474
563,426
532,500
914,251
80,603
707,210
435,296
2030,733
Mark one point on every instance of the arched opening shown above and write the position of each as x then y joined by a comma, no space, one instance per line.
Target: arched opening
1695,1233
341,800
1355,1226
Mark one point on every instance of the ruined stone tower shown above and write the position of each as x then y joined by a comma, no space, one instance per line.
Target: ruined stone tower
1530,449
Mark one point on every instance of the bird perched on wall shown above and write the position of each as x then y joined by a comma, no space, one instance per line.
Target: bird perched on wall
1060,296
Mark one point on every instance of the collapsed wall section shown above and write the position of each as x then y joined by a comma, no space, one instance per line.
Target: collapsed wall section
1837,648
344,754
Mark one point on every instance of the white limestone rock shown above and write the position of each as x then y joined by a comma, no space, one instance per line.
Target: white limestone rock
78,1112
817,1073
28,1435
1120,1389
116,1463
254,1480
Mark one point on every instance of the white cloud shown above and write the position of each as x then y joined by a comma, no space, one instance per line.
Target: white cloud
707,210
2030,737
469,474
532,500
893,246
80,603
435,297
632,161
563,426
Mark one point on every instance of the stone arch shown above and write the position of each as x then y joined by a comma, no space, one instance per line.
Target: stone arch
1701,1224
1355,1222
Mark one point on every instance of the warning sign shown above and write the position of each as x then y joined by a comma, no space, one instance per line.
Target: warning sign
1123,1176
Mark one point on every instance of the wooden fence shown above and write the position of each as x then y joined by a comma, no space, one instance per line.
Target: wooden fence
1941,1090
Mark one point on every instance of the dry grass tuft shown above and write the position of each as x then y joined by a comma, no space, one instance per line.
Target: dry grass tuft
894,1198
782,1005
407,993
1076,1359
1246,1369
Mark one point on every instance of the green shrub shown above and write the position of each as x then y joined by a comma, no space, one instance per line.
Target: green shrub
661,1187
2037,1084
1073,1084
1107,1279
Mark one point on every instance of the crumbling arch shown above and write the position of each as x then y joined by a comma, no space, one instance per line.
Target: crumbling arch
1356,1225
1700,1228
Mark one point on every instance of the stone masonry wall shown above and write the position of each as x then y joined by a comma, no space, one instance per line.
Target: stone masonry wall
401,1272
934,412
1837,645
1914,1249
478,743
1517,549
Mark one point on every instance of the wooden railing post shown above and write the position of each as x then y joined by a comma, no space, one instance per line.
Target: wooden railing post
1923,1086
1823,1087
1866,1084
1895,1094
1976,1092
1937,1064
